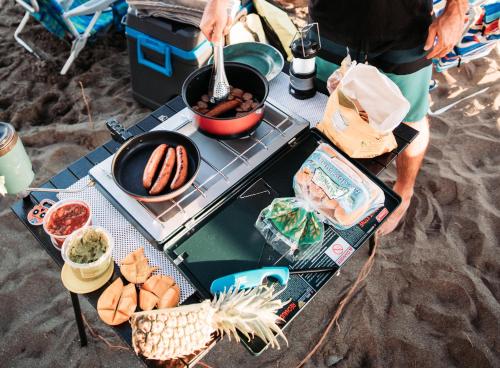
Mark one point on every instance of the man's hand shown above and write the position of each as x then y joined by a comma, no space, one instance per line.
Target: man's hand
216,22
448,29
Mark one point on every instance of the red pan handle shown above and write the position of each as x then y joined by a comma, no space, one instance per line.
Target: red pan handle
118,131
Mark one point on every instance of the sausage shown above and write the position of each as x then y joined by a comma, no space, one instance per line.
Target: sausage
165,173
152,165
202,104
236,92
223,107
182,168
247,96
246,106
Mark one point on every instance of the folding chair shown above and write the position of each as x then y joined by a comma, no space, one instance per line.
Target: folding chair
72,20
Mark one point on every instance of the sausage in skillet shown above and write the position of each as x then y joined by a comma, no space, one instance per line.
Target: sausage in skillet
165,173
152,166
223,107
182,168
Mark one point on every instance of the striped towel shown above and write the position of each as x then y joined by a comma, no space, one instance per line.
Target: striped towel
182,11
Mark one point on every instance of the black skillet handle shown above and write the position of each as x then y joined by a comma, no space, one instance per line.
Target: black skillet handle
118,132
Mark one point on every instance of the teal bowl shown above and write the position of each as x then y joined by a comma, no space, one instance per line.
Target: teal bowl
265,58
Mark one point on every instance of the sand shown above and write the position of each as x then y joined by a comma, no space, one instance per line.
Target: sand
431,300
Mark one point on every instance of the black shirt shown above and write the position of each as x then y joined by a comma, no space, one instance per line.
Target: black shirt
375,31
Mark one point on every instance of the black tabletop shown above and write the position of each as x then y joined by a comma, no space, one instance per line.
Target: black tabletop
404,135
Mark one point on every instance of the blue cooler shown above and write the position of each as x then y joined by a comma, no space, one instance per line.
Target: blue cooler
162,54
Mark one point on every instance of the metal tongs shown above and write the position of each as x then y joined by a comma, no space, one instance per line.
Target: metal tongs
219,86
218,82
27,191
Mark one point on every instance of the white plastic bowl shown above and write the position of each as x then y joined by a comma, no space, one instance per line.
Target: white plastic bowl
94,269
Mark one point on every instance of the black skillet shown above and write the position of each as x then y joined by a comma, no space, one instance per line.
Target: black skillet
130,160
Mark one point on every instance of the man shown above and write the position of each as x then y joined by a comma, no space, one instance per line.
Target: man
400,37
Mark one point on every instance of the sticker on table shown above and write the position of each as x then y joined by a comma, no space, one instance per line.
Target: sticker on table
382,214
339,251
37,213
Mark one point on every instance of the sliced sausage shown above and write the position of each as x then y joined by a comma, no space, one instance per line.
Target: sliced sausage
152,166
165,173
236,92
182,168
202,104
247,96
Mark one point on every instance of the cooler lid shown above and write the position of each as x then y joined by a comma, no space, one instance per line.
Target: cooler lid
183,36
7,135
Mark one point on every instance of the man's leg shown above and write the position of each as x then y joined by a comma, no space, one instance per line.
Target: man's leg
415,87
407,166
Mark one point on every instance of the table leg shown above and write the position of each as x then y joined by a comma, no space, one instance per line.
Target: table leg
79,319
371,244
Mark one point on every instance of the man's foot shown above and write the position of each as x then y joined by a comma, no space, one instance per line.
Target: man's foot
395,218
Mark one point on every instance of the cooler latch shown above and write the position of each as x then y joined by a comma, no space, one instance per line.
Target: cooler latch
180,258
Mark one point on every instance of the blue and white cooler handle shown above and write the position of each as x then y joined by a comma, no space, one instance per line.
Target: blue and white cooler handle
160,48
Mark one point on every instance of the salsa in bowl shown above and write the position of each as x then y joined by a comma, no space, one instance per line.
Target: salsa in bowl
65,217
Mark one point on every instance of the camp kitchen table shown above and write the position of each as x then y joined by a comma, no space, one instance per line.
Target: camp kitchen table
80,169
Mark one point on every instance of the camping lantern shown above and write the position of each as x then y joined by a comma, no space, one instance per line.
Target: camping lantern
304,48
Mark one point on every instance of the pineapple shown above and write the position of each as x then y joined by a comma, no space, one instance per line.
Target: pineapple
172,333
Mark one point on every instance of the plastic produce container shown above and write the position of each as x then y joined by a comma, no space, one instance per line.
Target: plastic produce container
91,270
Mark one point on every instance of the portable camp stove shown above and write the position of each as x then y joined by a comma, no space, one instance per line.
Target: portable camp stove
224,164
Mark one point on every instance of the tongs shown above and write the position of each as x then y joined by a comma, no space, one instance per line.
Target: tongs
219,86
218,82
27,191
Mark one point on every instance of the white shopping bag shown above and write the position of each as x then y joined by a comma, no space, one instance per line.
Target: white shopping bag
363,109
380,97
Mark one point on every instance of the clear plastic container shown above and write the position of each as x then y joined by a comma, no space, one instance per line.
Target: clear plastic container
87,271
58,240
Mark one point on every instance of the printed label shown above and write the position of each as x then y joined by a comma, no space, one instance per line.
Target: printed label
382,214
339,251
338,121
331,189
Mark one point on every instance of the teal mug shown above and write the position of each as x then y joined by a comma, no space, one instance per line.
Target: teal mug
15,165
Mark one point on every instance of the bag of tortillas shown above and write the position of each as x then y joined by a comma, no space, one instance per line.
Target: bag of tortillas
362,111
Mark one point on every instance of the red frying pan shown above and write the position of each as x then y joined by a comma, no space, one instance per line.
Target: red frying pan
227,127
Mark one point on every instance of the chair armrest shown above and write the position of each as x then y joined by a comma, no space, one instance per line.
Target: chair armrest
32,7
89,8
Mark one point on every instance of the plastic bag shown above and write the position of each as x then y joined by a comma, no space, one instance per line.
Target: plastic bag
329,189
289,225
334,79
335,188
362,110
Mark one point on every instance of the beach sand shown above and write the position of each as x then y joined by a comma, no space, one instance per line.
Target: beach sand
432,298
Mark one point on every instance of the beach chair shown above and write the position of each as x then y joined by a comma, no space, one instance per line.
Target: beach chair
73,20
480,37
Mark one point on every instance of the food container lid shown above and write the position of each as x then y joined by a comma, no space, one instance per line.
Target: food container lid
8,138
